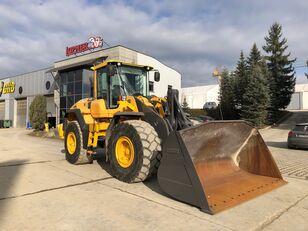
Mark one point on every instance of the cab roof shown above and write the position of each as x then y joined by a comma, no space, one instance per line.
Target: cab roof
117,62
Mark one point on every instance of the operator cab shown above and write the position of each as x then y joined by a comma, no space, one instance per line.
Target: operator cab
117,79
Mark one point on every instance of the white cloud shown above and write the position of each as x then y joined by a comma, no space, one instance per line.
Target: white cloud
192,36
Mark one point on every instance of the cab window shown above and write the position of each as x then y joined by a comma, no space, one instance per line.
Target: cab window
102,84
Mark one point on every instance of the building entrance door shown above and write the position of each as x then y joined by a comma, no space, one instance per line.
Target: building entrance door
21,114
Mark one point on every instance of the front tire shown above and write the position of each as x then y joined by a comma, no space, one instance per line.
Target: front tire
133,148
73,143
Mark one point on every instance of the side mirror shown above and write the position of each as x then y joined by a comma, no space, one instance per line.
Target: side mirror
156,76
112,70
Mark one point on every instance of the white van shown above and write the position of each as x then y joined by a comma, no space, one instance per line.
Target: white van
209,105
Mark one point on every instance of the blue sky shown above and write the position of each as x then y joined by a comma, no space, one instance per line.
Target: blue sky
192,36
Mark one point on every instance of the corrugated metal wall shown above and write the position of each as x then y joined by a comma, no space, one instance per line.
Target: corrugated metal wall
26,87
21,113
305,100
2,110
295,102
30,84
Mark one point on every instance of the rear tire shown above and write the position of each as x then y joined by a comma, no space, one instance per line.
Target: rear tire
73,143
145,148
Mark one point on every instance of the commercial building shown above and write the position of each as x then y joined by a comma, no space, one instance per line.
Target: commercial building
68,81
17,93
299,100
196,97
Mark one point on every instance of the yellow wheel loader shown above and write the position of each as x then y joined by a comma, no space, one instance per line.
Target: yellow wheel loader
213,166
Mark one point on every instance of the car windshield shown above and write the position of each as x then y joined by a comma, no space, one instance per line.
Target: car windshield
132,80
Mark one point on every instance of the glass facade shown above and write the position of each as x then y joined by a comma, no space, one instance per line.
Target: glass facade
74,86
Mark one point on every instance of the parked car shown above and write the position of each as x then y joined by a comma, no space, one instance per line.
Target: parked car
209,105
195,120
298,136
205,118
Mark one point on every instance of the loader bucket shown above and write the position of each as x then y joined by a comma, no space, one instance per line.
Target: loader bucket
217,165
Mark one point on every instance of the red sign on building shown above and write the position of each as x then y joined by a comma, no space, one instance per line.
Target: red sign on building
93,43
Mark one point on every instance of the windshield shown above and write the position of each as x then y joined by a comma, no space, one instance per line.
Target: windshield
125,81
132,80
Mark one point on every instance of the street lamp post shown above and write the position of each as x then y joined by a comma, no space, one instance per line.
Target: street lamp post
216,73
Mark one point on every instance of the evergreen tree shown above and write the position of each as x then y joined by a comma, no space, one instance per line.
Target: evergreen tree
240,80
185,105
254,56
281,71
226,95
256,97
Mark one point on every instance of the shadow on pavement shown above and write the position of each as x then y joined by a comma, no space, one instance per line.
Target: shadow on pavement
9,171
151,183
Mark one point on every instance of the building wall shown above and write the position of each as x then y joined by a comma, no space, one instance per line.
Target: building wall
32,84
196,97
114,53
305,100
295,103
299,99
168,76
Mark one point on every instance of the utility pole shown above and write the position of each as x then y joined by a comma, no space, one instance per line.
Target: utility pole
217,74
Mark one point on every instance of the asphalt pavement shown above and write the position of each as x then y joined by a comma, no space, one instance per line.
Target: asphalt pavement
39,190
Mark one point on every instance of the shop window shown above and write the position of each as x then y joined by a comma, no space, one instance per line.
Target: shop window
78,97
78,75
87,83
86,90
63,102
74,86
70,89
63,90
151,86
62,114
78,87
63,78
71,76
85,96
70,101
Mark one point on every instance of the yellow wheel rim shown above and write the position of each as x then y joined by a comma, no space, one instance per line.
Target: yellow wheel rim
71,143
124,152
